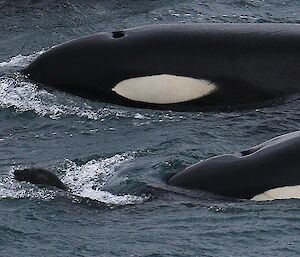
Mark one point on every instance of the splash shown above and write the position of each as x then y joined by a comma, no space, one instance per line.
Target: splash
19,61
24,96
11,188
85,181
89,179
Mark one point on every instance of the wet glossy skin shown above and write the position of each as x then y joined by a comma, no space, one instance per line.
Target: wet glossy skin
247,62
244,176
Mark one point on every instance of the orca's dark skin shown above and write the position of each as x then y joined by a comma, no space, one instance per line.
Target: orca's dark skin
248,63
270,165
40,176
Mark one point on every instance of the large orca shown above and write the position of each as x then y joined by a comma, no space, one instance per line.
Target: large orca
268,171
179,67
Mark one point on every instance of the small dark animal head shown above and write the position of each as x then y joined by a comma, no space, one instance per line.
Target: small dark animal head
22,175
39,176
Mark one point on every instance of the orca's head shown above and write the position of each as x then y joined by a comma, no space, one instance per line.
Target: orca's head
77,64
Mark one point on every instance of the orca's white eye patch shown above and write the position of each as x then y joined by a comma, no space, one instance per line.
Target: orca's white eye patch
287,192
164,89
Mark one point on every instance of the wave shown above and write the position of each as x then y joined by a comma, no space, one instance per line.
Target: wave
19,61
89,179
24,96
85,181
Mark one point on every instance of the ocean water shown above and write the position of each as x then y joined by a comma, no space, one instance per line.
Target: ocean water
116,160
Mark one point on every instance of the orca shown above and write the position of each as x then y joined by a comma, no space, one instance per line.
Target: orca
268,171
185,67
40,176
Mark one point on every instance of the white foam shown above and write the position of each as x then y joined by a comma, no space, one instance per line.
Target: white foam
89,179
24,96
11,188
163,89
19,60
280,193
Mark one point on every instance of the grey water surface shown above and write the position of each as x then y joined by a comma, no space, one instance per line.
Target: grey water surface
116,160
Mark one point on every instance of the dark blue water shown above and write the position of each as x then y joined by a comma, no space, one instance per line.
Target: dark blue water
112,156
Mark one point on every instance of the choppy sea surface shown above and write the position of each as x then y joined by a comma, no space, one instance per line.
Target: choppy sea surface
116,160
